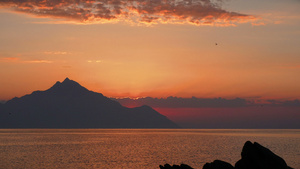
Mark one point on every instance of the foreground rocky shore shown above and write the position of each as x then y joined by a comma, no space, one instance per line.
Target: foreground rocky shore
254,156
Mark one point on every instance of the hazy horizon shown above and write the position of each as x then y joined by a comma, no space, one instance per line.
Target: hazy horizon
206,113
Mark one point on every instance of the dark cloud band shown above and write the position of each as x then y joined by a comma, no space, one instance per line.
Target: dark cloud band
177,102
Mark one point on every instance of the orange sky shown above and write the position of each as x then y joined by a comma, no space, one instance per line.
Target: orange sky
158,50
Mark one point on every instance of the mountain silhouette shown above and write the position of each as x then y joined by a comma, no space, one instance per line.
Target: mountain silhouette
67,104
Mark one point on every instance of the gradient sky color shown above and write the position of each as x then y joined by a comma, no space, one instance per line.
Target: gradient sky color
138,48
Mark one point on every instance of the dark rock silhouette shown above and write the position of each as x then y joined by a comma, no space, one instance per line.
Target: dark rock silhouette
1,107
218,164
258,157
69,105
254,156
181,166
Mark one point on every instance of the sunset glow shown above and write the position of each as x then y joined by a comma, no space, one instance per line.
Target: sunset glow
149,84
142,48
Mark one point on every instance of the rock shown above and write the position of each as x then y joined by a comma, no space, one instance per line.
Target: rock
218,164
168,166
255,156
184,166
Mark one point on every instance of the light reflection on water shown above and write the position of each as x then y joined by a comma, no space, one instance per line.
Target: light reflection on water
136,148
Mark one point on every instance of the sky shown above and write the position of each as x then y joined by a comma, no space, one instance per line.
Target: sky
143,48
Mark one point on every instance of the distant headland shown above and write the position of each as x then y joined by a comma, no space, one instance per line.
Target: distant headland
67,104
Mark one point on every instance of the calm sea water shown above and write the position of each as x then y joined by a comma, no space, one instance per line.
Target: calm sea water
136,148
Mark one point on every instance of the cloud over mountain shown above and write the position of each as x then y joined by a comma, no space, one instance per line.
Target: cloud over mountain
194,102
197,12
177,102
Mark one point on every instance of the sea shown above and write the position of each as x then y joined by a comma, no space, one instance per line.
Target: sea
137,148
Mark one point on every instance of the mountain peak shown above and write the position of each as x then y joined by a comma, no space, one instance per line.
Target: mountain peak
66,80
67,85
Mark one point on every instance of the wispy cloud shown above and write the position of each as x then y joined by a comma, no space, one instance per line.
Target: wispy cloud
197,12
258,24
38,61
9,59
18,60
56,53
94,61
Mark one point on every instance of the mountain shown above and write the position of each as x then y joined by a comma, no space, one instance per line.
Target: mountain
69,105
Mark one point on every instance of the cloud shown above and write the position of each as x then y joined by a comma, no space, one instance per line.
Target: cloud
18,60
94,61
258,24
38,61
194,102
56,53
9,59
177,102
196,12
287,103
